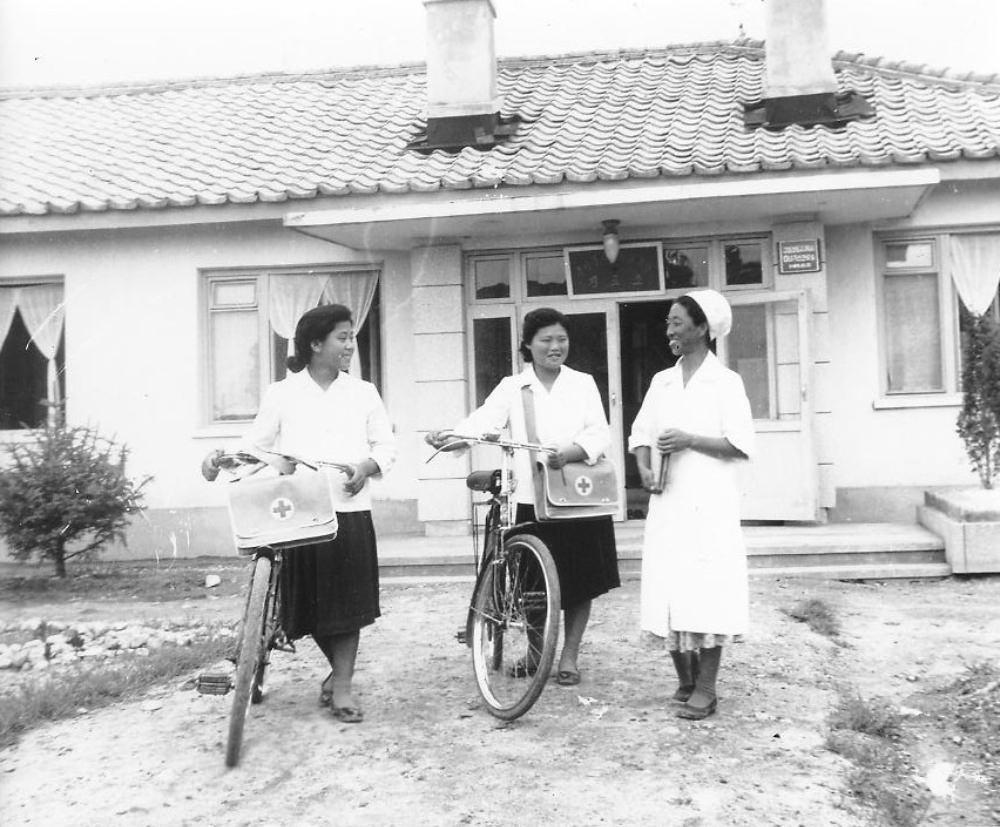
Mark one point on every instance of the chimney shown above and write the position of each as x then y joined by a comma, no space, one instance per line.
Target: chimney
797,51
800,86
462,104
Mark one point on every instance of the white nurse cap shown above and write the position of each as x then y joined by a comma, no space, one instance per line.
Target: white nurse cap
716,309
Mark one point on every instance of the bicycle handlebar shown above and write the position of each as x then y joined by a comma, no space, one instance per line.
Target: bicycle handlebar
464,440
232,461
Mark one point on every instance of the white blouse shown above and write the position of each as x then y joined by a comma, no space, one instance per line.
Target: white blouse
347,422
570,412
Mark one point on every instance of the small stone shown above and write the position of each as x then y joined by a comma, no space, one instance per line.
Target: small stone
212,580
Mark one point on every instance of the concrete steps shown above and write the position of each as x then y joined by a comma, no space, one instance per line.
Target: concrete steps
855,551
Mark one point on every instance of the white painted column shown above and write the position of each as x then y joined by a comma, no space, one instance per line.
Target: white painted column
441,383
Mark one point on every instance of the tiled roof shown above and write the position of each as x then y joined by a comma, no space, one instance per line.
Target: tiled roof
672,112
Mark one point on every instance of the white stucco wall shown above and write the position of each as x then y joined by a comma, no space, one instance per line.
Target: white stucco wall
914,446
135,356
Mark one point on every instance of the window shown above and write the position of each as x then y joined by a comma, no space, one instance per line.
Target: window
492,277
251,316
744,263
32,354
492,354
912,318
686,266
545,274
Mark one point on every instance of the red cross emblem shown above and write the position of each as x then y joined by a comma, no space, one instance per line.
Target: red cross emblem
584,486
282,508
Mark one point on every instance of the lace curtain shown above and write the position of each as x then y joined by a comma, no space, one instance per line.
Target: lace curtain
975,269
293,295
290,297
355,290
43,313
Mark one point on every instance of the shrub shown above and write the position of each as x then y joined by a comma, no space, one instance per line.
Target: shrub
65,493
979,420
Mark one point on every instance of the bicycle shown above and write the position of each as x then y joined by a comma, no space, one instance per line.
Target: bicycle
260,628
512,625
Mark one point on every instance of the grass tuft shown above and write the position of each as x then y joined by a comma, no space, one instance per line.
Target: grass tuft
866,732
93,685
817,614
876,717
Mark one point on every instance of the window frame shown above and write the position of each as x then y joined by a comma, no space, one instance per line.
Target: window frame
767,262
24,434
949,340
208,276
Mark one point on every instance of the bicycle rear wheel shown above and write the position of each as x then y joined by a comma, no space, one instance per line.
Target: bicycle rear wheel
253,650
515,626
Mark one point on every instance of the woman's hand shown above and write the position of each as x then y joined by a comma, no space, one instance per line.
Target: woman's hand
357,474
673,440
210,465
563,454
649,481
438,439
283,465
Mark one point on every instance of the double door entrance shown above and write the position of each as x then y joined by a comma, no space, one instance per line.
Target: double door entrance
622,344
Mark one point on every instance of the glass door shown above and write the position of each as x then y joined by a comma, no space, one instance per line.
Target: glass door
593,349
769,348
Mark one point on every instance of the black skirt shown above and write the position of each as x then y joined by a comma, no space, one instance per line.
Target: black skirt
584,551
332,588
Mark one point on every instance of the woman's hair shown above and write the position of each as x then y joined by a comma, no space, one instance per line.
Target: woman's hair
696,313
315,325
535,321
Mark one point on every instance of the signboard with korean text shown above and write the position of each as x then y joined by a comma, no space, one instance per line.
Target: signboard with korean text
799,256
638,269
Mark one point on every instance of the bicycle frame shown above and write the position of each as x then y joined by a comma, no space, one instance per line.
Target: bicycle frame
512,625
261,629
501,503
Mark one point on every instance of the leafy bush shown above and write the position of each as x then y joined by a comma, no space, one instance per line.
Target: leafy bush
979,421
65,493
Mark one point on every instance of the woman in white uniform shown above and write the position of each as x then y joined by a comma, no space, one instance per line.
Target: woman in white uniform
570,417
694,591
329,590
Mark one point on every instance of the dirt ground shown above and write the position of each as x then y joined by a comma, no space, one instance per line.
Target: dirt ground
609,751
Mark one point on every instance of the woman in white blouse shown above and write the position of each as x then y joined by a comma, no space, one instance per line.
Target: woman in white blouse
694,575
320,412
568,416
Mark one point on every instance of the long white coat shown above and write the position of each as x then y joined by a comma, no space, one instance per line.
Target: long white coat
694,570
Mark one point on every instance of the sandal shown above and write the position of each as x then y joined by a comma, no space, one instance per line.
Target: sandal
347,714
568,677
697,713
326,691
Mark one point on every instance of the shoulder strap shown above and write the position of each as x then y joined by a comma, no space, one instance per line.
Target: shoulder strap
529,413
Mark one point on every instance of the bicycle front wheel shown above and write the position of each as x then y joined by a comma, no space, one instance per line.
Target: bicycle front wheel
252,652
515,626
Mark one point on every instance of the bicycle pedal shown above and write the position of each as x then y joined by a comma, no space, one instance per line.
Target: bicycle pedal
283,644
462,636
213,684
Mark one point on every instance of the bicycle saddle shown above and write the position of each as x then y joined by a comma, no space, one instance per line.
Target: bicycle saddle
485,481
